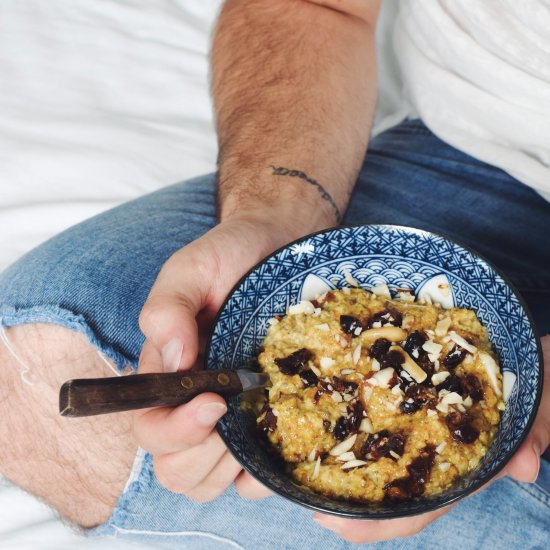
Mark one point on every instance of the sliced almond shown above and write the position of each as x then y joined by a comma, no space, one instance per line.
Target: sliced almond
410,366
444,466
345,372
350,279
305,306
462,342
384,376
344,446
323,327
326,362
439,377
491,368
431,347
393,334
452,398
375,365
316,468
442,326
381,290
440,447
366,426
346,457
356,354
353,464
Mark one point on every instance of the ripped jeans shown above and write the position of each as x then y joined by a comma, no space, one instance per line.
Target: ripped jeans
95,277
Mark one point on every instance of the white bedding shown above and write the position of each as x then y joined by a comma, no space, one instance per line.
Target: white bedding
101,101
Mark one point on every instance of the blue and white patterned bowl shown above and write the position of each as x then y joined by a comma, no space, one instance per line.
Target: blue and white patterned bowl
402,257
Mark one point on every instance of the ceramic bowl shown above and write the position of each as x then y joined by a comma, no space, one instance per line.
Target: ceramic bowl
401,257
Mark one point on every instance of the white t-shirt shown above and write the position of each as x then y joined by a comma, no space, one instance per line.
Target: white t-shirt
477,72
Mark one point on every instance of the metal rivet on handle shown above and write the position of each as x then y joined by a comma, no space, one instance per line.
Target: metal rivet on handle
187,383
223,379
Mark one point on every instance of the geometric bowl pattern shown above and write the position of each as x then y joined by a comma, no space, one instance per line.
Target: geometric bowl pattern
401,257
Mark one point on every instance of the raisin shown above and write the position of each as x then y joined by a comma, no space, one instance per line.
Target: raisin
413,344
472,387
309,378
380,348
427,366
460,426
294,362
452,383
387,317
409,408
465,433
380,444
268,422
394,359
355,416
341,429
454,357
318,395
344,386
421,395
414,483
351,325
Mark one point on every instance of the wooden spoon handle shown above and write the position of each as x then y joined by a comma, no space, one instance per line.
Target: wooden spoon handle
87,397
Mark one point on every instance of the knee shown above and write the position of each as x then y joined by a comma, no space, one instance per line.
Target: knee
60,460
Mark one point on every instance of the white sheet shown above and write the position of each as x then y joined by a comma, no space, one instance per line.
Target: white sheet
101,101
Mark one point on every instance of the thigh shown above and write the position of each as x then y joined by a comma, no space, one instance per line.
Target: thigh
410,177
95,277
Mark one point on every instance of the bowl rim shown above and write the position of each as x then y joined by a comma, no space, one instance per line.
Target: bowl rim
476,483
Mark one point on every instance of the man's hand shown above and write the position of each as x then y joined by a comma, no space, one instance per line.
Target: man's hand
189,455
524,466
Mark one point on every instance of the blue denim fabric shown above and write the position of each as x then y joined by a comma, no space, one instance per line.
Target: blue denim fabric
95,277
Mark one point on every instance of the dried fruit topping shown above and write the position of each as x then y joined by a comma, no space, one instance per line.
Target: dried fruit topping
460,426
379,348
420,396
413,346
388,317
294,362
309,378
341,429
347,425
414,343
454,357
351,325
344,386
394,359
327,425
355,416
268,422
452,384
472,387
413,485
383,444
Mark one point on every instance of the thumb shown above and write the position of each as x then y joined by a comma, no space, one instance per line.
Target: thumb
524,465
168,321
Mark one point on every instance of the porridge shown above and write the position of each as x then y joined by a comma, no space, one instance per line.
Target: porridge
374,398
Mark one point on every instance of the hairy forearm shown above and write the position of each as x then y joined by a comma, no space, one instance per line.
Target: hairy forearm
294,85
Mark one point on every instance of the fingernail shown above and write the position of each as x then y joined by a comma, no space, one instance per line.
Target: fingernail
209,414
171,355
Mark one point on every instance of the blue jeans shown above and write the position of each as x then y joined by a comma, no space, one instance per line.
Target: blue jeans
95,277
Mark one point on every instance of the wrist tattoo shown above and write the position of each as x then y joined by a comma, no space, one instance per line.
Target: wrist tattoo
280,171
